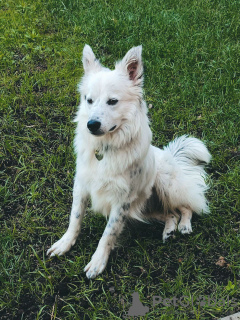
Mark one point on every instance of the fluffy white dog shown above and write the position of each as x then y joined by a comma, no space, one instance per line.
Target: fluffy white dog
118,168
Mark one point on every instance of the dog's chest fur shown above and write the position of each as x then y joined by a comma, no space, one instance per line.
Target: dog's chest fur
107,184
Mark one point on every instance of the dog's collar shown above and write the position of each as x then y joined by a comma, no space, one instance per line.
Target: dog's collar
98,155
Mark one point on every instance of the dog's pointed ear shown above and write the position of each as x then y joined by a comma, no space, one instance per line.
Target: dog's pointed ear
132,65
90,63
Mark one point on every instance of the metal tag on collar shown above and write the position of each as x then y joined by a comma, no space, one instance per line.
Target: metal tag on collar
98,155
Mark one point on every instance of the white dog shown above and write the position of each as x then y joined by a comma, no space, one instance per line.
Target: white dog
129,178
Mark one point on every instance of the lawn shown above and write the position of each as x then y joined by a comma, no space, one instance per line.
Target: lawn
191,52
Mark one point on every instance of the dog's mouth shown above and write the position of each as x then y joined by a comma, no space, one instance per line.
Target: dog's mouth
97,133
113,128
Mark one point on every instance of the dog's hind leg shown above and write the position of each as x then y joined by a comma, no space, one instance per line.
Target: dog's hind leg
185,226
170,225
171,222
79,204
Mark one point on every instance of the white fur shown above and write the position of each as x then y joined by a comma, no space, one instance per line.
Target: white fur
134,179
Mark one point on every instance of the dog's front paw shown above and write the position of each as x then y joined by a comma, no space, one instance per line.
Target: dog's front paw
97,264
62,246
185,227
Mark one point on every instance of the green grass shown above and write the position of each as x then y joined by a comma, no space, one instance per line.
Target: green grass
191,51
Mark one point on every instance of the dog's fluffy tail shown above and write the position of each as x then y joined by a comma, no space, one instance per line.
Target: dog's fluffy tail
191,155
189,150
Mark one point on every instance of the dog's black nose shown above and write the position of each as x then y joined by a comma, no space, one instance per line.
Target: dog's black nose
93,125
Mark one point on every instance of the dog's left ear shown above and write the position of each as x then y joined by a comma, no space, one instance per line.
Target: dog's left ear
132,65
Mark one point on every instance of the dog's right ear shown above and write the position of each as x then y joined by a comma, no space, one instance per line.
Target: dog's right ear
90,63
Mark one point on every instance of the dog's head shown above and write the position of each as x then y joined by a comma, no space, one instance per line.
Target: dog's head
109,97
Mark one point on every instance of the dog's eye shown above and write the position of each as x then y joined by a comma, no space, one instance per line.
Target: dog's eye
112,102
89,101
